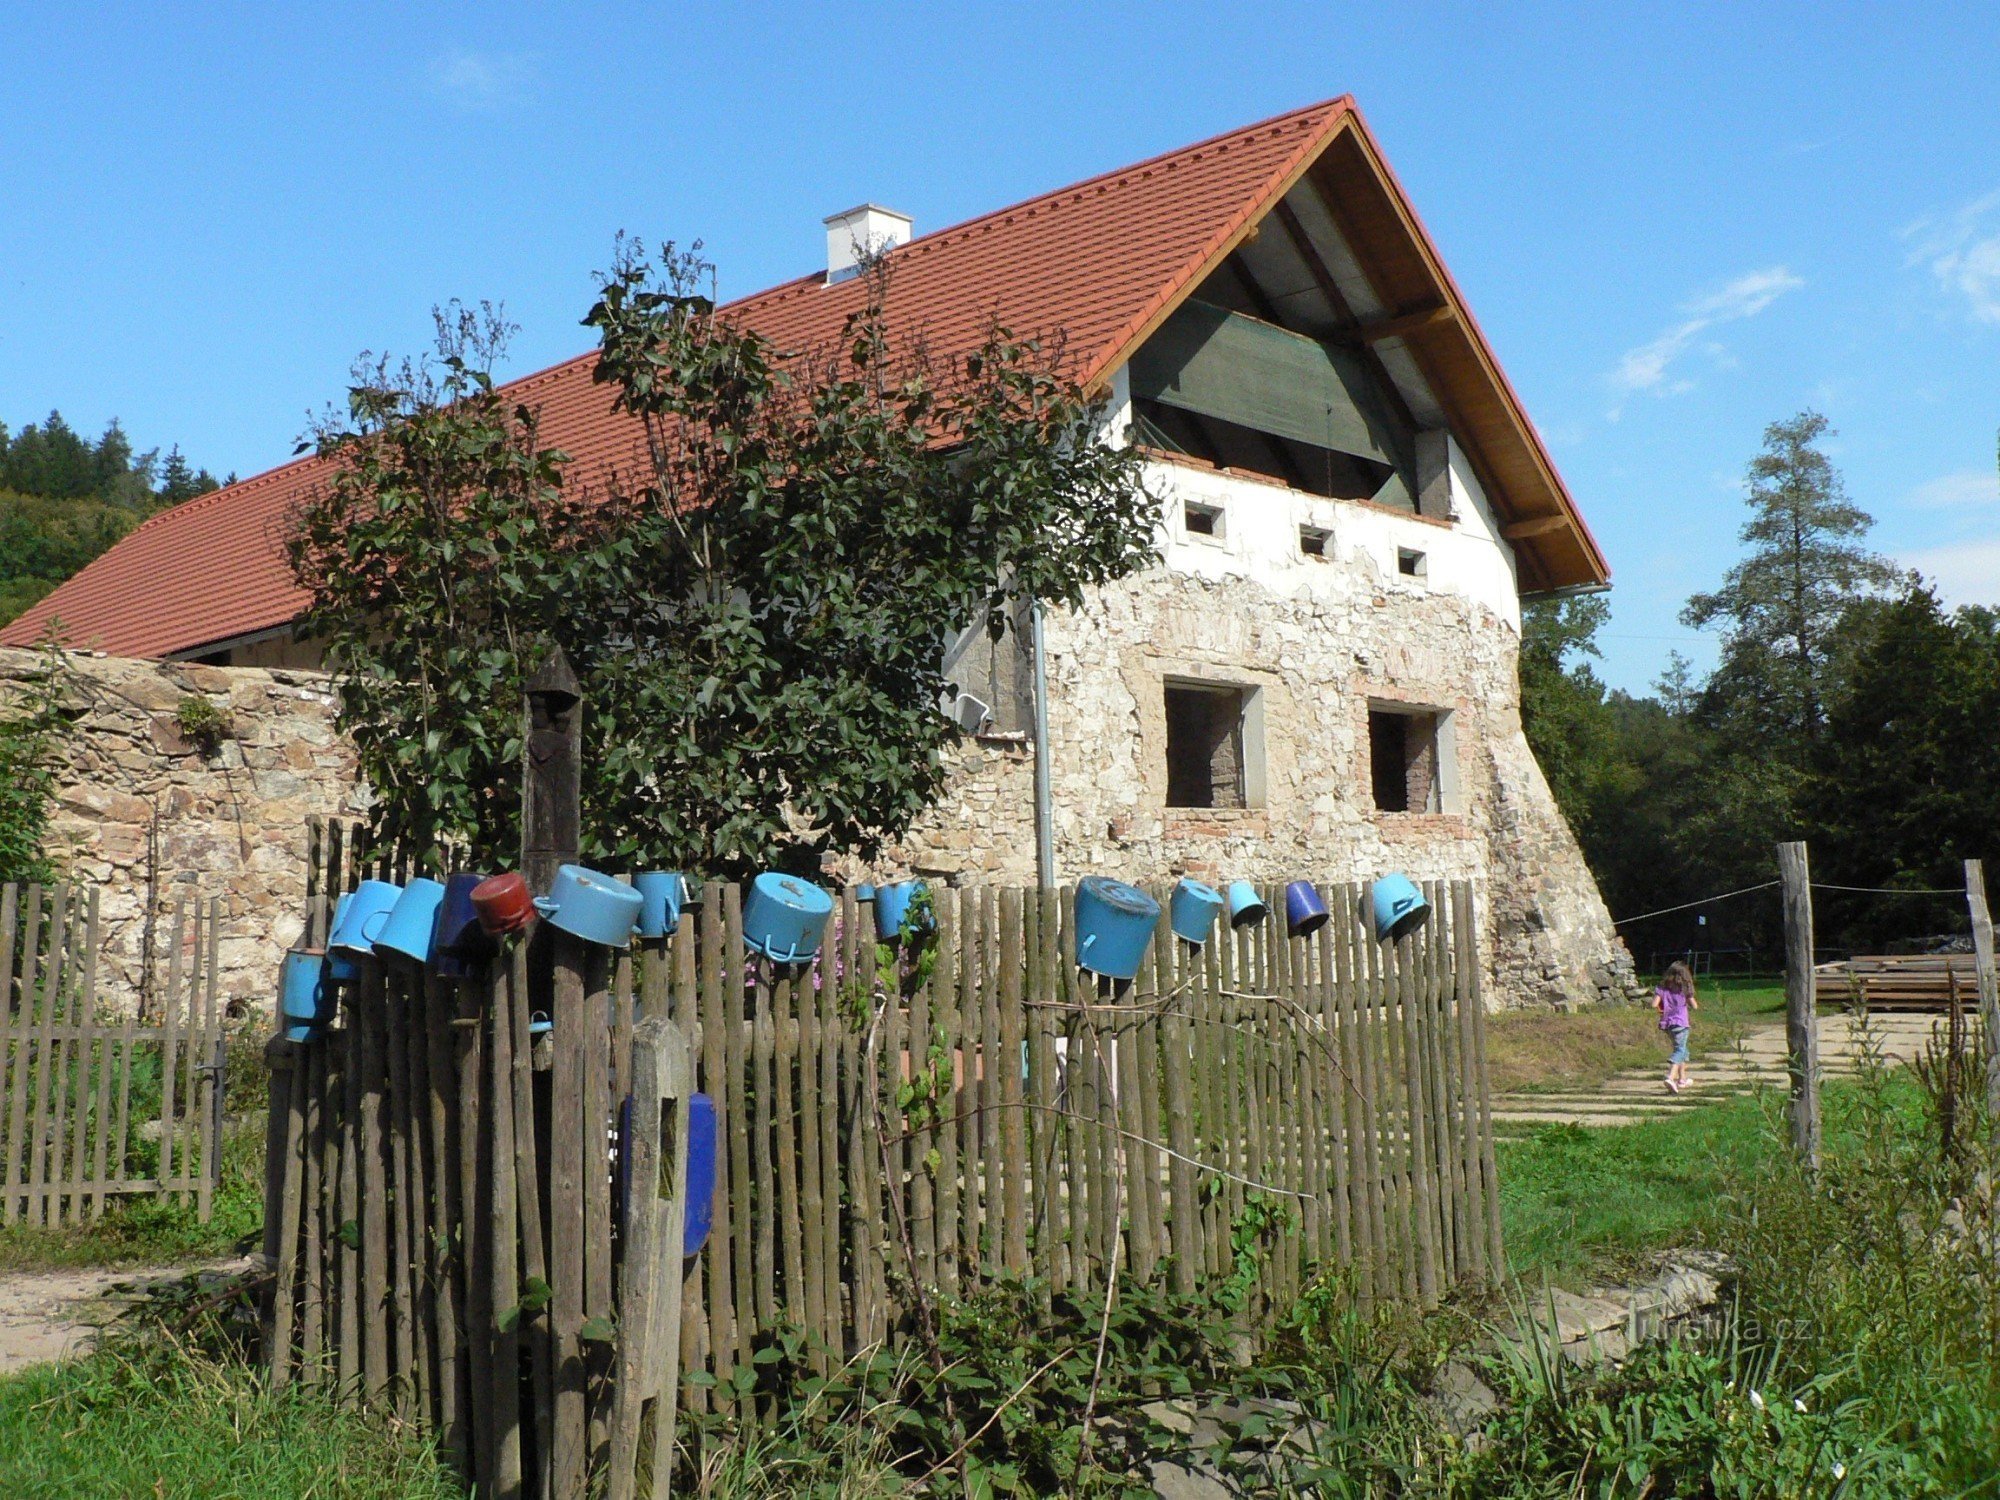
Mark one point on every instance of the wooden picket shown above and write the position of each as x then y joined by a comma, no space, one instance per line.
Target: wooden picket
68,1142
897,1119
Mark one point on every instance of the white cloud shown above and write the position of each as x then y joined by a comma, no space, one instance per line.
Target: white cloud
1951,491
1964,572
1649,368
1962,251
478,81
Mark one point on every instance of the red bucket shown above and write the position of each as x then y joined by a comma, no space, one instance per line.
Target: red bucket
505,904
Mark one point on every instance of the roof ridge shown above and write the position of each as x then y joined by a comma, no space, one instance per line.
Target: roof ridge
964,227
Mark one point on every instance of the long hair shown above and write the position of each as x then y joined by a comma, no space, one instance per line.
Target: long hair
1679,980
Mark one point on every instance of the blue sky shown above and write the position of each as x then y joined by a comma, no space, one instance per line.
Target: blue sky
1676,223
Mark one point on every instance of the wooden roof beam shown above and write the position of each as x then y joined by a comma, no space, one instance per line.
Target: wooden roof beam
1515,531
1400,324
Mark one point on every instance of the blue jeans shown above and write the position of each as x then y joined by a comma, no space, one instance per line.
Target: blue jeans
1679,1034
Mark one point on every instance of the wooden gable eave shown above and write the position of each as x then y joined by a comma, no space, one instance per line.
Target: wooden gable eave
1553,545
1423,313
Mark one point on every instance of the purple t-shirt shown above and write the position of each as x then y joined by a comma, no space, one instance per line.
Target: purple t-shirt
1673,1009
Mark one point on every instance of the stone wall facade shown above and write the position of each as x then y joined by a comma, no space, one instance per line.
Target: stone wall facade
146,817
1317,661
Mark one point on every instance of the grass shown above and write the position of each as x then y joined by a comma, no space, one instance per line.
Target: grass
154,1231
172,1424
1548,1051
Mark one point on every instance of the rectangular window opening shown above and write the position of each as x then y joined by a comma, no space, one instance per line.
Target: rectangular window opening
1409,760
1409,562
1211,743
1313,541
1202,520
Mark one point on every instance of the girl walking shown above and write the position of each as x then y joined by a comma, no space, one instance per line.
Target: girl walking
1674,1000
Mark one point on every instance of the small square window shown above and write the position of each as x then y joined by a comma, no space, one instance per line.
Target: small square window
1202,520
1208,748
1313,541
1409,562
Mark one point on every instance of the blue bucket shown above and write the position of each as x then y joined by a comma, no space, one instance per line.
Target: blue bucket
1193,909
1400,908
1246,907
301,1031
661,896
785,917
338,965
459,939
303,992
701,1174
368,908
1114,924
893,904
1305,909
412,920
591,906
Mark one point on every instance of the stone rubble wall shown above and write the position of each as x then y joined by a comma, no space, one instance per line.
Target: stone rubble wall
1319,659
146,817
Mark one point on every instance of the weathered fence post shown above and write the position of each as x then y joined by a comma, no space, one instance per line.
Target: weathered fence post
1989,978
1801,1031
551,829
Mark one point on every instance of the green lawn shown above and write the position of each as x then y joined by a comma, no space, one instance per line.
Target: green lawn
171,1426
1549,1051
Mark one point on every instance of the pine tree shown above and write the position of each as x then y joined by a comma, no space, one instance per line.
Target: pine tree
1780,607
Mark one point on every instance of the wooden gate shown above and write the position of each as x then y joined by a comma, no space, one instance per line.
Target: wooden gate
95,1105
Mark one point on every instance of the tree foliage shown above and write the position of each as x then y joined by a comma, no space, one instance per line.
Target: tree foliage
756,615
1858,722
1781,606
64,499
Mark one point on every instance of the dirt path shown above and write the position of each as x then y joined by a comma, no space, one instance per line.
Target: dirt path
1758,1059
48,1315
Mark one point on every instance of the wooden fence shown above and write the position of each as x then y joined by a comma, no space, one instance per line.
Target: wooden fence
79,1088
449,1235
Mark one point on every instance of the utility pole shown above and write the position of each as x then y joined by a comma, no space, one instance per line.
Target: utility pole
1801,1030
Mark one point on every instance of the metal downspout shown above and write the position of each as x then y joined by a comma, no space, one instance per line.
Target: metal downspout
1045,830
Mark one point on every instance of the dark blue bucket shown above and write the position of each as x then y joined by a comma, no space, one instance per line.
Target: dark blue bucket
1114,925
1305,910
460,943
701,1173
893,906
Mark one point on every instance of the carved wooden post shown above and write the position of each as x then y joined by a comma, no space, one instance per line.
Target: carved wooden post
1801,1029
550,832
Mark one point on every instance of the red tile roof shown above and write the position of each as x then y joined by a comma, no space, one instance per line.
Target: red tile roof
1098,263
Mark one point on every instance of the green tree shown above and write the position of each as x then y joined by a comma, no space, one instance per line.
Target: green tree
1906,782
757,617
1781,606
1563,709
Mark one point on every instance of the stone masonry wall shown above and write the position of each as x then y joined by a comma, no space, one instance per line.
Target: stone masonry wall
1319,660
144,816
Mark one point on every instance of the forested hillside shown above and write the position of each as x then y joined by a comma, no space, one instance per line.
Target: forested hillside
65,498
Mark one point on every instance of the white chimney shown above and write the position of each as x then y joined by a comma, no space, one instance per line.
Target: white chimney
860,233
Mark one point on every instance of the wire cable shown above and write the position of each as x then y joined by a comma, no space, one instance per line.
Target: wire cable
1689,905
1899,890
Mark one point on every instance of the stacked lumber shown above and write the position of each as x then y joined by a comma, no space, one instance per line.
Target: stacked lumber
1912,982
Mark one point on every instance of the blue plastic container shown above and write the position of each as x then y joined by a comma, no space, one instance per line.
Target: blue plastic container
892,907
701,1174
785,917
412,921
301,1031
661,895
460,943
339,966
540,1024
1400,908
368,908
1193,909
1305,908
1246,907
1114,923
302,988
591,906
